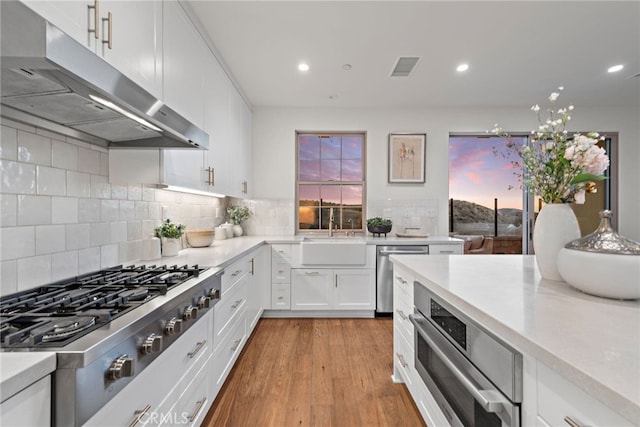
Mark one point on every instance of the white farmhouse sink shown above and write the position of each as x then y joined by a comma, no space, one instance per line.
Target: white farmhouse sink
333,251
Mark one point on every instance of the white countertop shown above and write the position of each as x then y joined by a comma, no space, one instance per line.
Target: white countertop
20,370
593,342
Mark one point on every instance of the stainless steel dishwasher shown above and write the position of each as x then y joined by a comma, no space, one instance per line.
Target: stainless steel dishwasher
384,273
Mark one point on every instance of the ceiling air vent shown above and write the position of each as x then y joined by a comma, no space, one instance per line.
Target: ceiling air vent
405,65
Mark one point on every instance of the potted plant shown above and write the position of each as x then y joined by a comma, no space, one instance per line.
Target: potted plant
237,215
170,234
378,225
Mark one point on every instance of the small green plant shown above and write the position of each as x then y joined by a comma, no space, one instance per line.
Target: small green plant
170,230
378,222
238,214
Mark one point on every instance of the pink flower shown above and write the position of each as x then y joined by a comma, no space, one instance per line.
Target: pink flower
579,197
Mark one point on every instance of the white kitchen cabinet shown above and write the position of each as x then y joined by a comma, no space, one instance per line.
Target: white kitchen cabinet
333,289
29,407
136,34
240,138
280,277
258,286
446,249
184,51
559,400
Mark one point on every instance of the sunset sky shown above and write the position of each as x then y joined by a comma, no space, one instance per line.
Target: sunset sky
477,175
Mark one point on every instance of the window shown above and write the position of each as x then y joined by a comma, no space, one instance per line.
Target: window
330,177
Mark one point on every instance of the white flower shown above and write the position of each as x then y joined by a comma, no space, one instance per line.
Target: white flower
554,96
536,108
570,107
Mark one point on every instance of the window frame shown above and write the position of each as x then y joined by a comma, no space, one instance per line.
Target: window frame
363,183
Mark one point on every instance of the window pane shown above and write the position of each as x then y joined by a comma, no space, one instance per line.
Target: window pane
309,147
352,147
352,194
330,195
330,170
330,147
352,170
351,213
309,195
308,218
309,170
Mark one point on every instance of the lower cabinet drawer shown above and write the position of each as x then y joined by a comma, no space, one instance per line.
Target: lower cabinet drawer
226,313
559,399
280,296
403,357
225,355
192,405
445,249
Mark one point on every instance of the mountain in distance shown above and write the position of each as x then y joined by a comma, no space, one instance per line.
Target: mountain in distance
469,212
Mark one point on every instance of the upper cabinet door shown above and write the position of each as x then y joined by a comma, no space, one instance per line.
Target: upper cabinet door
73,17
136,40
184,53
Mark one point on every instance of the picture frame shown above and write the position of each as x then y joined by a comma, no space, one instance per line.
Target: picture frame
407,157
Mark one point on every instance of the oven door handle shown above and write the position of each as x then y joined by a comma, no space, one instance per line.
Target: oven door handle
490,400
408,252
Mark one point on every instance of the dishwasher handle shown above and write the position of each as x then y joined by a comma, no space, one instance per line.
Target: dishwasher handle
397,252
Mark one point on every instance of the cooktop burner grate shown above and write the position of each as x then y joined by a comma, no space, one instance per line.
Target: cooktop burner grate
61,312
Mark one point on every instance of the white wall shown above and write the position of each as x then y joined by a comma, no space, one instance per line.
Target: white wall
274,148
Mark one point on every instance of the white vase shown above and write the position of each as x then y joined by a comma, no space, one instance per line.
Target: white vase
170,247
237,230
555,226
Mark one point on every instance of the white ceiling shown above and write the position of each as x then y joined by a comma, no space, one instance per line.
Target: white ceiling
518,52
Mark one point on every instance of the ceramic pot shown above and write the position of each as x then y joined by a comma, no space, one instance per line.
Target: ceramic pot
555,226
602,263
170,247
237,230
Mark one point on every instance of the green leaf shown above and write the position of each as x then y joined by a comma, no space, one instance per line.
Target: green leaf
586,177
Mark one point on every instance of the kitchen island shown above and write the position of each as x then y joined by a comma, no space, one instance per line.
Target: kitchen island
589,342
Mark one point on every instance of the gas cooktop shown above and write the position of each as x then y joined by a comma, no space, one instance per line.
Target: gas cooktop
61,312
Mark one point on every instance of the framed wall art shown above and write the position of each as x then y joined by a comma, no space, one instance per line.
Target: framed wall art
407,157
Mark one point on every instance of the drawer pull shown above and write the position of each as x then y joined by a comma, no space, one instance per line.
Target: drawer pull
139,415
280,298
235,345
572,422
404,282
236,304
445,252
311,273
401,313
199,405
235,273
195,351
402,361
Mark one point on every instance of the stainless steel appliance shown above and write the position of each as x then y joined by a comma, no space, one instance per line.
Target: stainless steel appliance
475,377
384,273
52,81
106,327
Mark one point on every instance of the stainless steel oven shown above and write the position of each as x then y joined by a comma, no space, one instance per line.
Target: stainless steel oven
475,377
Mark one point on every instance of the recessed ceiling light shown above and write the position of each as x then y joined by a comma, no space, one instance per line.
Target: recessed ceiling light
615,68
303,67
462,67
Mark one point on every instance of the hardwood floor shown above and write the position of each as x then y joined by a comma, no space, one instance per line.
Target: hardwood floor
315,372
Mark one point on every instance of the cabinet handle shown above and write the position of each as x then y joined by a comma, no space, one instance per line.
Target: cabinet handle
404,282
572,422
402,361
445,252
401,313
210,176
139,415
235,273
251,263
237,303
311,273
244,187
336,279
280,298
96,18
109,20
235,345
199,405
197,349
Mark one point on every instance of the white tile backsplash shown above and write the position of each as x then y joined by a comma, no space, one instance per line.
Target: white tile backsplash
64,210
61,217
17,177
17,242
51,181
64,155
50,239
88,161
34,148
34,210
9,143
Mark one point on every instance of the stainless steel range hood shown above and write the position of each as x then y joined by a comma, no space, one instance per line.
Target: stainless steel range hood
52,81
